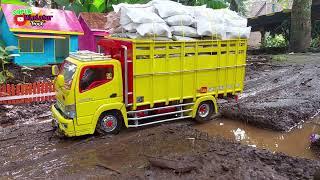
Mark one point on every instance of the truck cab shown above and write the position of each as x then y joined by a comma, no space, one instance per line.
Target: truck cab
85,82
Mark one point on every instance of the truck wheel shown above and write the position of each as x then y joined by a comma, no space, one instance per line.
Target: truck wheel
204,112
109,123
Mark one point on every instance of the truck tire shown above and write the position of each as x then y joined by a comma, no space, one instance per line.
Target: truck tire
204,112
109,123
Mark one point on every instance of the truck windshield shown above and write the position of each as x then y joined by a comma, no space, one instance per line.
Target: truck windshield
68,70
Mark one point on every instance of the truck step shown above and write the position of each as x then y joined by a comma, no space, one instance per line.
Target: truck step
181,111
160,121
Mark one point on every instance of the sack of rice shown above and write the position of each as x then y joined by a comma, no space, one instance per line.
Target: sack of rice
118,7
154,29
231,18
180,20
138,15
169,8
184,31
131,27
238,32
181,38
207,28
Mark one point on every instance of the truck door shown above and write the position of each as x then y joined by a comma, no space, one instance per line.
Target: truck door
98,85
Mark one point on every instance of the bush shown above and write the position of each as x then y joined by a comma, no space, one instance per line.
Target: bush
275,41
315,43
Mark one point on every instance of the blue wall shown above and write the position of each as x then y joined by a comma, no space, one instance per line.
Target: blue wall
7,36
74,43
38,59
33,59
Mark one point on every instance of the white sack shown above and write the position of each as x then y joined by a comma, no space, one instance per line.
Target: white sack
154,29
231,18
142,13
207,28
193,10
185,31
211,15
238,32
169,8
181,38
117,7
180,20
131,27
143,16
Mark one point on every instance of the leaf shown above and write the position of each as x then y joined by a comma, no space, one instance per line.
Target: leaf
98,6
62,2
9,74
3,78
11,48
2,49
16,2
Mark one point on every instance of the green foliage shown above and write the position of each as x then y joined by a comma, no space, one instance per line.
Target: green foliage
16,2
5,58
214,4
83,5
106,5
280,58
315,43
275,41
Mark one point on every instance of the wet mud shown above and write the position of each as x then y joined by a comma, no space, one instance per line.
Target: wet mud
24,114
295,143
30,154
278,95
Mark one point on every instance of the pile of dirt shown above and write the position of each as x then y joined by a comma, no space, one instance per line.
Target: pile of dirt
29,75
277,96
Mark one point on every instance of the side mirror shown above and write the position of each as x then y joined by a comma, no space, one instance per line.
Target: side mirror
55,70
60,80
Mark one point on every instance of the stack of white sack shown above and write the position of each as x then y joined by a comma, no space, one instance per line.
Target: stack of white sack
140,20
168,19
179,17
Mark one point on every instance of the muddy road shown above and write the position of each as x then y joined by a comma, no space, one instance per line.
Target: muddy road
185,149
28,152
278,94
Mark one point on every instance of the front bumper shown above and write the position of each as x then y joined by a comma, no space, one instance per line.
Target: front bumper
65,126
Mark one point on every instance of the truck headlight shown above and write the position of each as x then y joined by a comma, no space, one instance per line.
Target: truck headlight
70,111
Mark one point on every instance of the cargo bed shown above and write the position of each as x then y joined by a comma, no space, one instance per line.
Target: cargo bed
165,71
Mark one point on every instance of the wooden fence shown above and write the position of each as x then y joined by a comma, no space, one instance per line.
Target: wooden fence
26,93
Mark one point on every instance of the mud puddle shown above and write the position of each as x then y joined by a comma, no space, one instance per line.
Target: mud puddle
294,143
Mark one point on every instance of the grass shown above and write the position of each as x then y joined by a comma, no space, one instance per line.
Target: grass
280,58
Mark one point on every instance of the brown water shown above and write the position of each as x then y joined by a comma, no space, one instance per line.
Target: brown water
294,143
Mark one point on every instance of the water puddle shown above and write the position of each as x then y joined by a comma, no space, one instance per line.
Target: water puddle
295,143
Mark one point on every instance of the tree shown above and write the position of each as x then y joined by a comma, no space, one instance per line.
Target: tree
83,5
16,2
300,31
5,58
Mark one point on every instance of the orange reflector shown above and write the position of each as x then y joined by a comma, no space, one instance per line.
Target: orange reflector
203,89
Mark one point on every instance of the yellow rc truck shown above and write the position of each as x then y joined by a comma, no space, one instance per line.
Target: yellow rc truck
143,82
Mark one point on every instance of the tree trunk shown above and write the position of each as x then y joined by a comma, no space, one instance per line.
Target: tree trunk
300,33
234,6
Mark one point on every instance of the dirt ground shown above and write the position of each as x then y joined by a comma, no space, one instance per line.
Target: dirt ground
22,75
279,93
29,151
